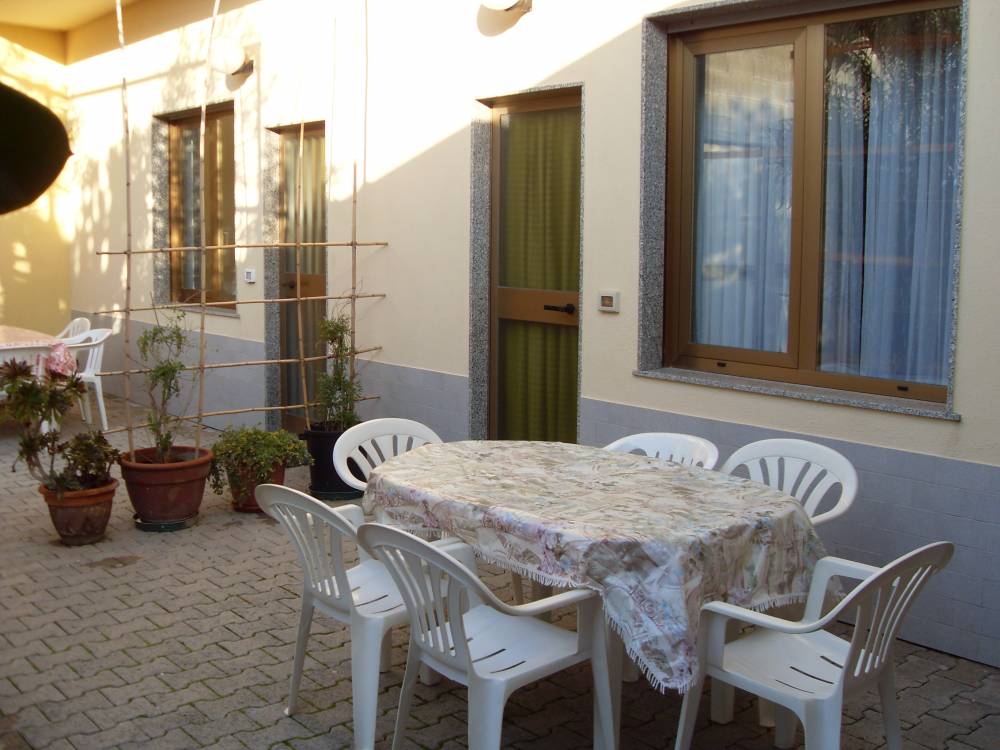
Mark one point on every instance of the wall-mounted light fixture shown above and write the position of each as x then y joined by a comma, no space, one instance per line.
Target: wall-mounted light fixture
230,58
505,6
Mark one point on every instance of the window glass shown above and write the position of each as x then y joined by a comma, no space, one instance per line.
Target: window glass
743,193
892,119
220,213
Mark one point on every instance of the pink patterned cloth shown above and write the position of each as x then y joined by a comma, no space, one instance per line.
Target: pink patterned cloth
41,351
654,538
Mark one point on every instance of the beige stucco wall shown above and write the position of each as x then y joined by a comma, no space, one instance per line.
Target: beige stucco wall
407,125
35,240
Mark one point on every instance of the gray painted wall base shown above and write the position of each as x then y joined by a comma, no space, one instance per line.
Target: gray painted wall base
437,399
225,388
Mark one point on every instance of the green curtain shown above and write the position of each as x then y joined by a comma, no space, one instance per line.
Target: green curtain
539,249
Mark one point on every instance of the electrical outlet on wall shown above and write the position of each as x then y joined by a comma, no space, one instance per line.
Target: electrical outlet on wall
609,302
250,275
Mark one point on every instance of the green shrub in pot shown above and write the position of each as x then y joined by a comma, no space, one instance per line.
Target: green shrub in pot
246,457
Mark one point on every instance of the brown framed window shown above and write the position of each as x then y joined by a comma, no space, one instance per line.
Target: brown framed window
220,213
812,184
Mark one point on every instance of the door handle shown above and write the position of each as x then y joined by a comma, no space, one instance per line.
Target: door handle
569,308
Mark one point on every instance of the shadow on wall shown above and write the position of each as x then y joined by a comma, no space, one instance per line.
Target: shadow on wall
34,243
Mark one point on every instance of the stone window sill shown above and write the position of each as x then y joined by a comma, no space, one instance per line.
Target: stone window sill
911,407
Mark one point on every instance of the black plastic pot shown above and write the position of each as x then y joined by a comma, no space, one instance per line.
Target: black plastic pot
324,482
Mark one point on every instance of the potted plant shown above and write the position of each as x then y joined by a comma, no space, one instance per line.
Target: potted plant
165,482
246,457
74,476
338,390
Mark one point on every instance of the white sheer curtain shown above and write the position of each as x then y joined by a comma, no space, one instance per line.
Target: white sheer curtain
890,196
743,186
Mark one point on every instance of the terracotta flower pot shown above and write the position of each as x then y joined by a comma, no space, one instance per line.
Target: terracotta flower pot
244,499
167,495
80,516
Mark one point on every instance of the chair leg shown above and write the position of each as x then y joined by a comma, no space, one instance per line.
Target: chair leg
765,713
413,667
385,655
84,402
99,397
366,651
689,712
518,585
821,724
486,704
605,725
890,712
722,702
785,724
305,621
630,671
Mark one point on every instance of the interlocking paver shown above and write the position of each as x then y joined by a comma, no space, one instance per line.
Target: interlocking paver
185,640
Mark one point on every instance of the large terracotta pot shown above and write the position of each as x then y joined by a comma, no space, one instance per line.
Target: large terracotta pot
166,496
80,516
244,498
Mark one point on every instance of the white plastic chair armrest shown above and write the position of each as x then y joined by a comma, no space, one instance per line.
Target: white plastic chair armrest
835,512
353,514
550,603
827,568
752,617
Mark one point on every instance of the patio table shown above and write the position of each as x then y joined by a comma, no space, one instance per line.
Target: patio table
40,350
655,539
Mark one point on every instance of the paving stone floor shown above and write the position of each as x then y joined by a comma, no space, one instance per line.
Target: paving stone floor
185,640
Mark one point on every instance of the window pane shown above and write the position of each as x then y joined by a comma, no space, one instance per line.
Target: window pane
540,200
743,185
220,211
892,118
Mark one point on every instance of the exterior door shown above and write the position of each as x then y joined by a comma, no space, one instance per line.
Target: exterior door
535,269
313,229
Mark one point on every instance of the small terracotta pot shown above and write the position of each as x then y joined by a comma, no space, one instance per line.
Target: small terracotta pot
166,493
244,499
80,516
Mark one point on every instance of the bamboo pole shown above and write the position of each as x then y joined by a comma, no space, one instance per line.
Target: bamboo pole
187,305
300,186
240,245
354,263
127,385
201,216
247,363
243,410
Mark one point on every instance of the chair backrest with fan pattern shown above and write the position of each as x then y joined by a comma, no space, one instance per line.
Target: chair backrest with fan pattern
689,450
317,533
371,443
800,468
879,605
436,588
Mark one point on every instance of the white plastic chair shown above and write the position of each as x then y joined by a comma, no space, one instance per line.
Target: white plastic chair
88,347
460,629
807,471
689,450
363,597
804,668
74,328
374,442
800,468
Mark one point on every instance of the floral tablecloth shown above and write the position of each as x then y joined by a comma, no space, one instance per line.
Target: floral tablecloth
43,352
654,538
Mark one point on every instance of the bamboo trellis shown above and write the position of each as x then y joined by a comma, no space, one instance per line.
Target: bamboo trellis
202,305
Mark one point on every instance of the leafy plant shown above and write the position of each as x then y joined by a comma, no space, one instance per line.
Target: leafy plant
38,406
161,349
338,389
245,457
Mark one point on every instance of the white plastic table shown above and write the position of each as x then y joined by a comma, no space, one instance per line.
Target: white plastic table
655,539
42,351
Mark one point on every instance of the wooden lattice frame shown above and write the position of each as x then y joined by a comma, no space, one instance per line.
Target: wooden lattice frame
203,305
